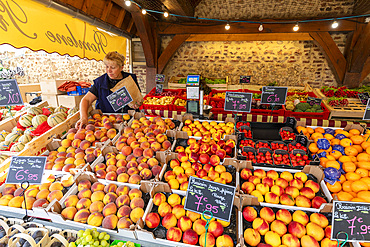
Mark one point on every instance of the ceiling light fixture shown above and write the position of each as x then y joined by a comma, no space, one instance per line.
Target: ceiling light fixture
227,27
166,14
335,24
296,27
128,2
260,28
143,11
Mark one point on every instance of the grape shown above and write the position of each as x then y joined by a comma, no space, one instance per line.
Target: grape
72,244
101,235
107,237
95,234
104,243
96,243
88,238
120,244
78,241
80,233
83,242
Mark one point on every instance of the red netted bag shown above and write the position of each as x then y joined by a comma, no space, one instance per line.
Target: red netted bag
41,129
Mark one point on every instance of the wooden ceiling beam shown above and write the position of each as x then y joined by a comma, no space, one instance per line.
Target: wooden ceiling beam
179,7
333,55
130,25
165,28
86,6
106,11
361,51
366,70
120,18
172,47
250,37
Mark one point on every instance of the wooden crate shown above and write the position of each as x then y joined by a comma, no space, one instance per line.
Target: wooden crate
321,95
353,110
173,83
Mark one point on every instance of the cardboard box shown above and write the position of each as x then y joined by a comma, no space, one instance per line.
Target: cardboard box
23,88
69,101
50,86
52,99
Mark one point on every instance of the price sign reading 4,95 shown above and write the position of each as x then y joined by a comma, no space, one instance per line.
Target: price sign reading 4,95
9,93
240,102
351,218
274,95
26,168
205,195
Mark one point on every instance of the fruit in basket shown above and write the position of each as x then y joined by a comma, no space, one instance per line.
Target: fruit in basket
166,100
180,102
201,129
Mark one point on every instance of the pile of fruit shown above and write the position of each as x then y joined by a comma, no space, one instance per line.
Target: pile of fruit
276,227
338,101
169,220
180,102
99,120
109,206
305,107
339,92
219,95
213,129
167,93
137,147
284,188
166,100
217,104
91,237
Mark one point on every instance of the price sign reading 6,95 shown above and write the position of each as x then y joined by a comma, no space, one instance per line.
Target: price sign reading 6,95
205,195
351,218
26,168
274,95
119,98
240,102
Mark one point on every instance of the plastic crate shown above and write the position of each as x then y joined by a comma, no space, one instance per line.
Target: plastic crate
169,107
179,108
176,92
79,91
315,115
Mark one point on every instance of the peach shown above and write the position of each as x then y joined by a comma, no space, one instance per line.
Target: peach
284,215
281,182
109,209
111,133
83,184
296,229
152,220
85,193
174,234
326,242
249,214
164,208
254,179
309,241
268,181
327,231
272,198
184,223
290,240
263,188
184,186
99,167
42,194
109,197
124,222
83,203
248,187
178,211
307,192
136,214
215,228
81,216
97,196
296,183
110,188
319,219
71,201
277,190
301,217
137,202
211,241
146,174
123,177
39,203
214,160
272,238
252,237
95,219
159,198
260,225
193,216
286,199
69,213
302,201
28,202
67,181
148,153
123,200
135,193
257,194
190,237
317,201
267,214
124,211
110,222
174,184
315,231
142,166
174,199
292,191
134,179
279,227
96,206
152,162
55,194
199,226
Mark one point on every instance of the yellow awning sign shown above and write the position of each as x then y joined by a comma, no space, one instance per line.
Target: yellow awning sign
26,23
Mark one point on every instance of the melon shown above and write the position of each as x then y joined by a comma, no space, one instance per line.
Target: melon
3,158
18,146
29,130
56,118
3,134
50,108
25,138
72,111
61,109
3,146
12,137
39,119
34,110
25,120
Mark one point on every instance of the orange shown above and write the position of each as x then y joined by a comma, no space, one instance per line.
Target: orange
301,128
354,194
352,176
344,158
346,142
336,187
366,180
316,135
364,164
343,132
362,172
319,130
354,131
313,148
364,195
333,163
357,139
353,159
330,157
350,151
334,142
342,179
368,150
344,196
359,185
329,136
365,144
358,147
323,161
363,156
310,130
336,154
346,186
356,199
349,166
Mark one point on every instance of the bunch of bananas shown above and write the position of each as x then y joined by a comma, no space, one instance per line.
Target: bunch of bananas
166,100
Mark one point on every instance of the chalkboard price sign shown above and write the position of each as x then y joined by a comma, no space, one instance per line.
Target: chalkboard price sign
205,195
274,95
314,101
158,88
363,97
9,93
240,102
26,168
351,218
302,139
367,111
119,98
159,78
244,79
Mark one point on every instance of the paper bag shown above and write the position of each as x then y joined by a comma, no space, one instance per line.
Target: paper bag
133,90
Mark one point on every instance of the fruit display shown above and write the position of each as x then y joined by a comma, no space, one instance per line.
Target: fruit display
339,92
269,226
166,100
104,205
180,102
287,135
91,237
241,123
298,189
305,107
217,104
37,196
338,101
201,159
215,130
99,120
169,220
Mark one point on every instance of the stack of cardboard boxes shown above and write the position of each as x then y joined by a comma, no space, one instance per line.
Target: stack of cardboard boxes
55,97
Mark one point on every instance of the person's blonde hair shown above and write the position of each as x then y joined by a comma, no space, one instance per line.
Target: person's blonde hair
116,57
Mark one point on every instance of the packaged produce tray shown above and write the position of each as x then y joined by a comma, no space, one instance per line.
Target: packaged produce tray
316,115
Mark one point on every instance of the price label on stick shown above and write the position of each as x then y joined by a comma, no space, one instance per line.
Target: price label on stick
205,195
9,93
367,111
351,218
274,95
158,88
235,101
159,78
244,79
119,98
26,168
314,101
363,97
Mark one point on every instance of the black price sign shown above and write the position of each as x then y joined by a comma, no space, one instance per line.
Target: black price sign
205,195
26,168
363,97
119,98
158,88
159,78
245,79
314,101
351,218
235,101
302,139
192,106
274,95
9,93
367,111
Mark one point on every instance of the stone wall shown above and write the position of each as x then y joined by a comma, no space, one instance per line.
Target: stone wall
140,71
